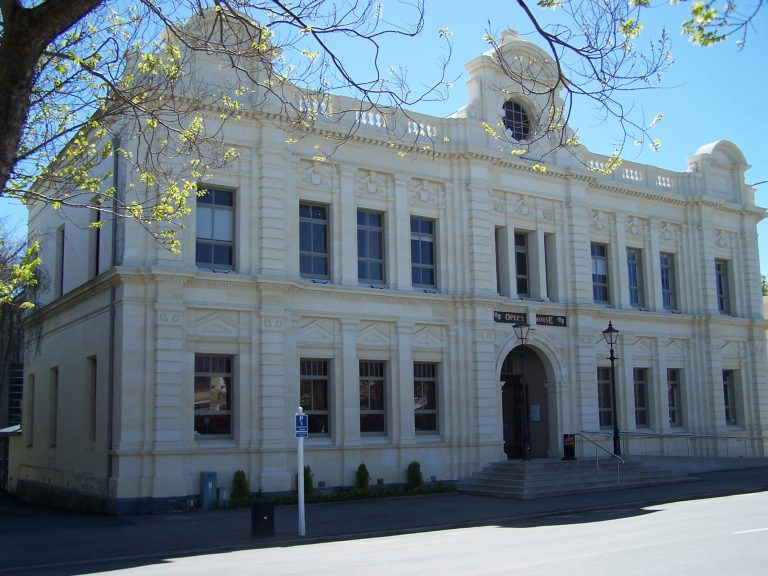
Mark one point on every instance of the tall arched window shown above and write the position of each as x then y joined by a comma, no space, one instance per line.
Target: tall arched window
516,121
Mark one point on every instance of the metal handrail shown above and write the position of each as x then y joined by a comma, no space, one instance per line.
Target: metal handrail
672,436
619,459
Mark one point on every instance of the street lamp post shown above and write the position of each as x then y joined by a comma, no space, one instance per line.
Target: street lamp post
521,331
611,336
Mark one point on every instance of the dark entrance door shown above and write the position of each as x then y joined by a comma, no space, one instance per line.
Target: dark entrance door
512,416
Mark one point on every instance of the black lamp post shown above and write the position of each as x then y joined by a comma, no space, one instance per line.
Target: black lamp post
521,331
611,336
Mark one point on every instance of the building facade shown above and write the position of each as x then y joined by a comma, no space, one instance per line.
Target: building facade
379,292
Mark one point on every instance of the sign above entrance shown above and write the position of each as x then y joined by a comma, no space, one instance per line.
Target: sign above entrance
522,318
510,317
549,320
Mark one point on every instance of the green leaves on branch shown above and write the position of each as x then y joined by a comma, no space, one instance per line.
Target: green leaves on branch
16,277
706,26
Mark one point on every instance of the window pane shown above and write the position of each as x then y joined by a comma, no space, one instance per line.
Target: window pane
204,253
204,222
319,238
362,243
223,225
223,198
222,254
426,253
305,237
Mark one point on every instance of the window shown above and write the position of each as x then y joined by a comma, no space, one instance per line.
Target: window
635,276
668,292
516,121
521,264
370,247
502,261
213,395
29,409
53,415
60,261
425,396
605,397
721,279
600,273
422,252
372,406
314,395
729,397
673,391
215,230
15,393
313,241
641,397
94,244
92,397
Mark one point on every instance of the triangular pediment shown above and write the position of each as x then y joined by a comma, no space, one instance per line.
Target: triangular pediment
216,324
320,331
643,347
428,337
374,335
676,349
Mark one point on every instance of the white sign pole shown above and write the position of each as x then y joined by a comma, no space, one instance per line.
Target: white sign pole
301,417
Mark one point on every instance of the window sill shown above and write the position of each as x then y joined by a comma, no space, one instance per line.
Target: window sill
214,442
375,439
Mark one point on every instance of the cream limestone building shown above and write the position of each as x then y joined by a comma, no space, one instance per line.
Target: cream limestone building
379,292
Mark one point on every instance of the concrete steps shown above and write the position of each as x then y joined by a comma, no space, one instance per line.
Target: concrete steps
525,480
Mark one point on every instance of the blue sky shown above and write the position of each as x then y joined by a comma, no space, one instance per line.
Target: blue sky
710,94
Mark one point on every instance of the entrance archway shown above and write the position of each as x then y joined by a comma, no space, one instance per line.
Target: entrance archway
536,396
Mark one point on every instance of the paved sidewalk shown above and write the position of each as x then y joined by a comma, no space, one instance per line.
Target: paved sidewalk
42,540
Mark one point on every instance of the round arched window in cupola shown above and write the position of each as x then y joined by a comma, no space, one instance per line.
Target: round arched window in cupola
516,121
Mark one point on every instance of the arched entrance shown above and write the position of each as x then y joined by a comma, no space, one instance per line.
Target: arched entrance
523,367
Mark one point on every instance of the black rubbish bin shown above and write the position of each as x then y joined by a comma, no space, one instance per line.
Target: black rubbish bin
569,446
262,519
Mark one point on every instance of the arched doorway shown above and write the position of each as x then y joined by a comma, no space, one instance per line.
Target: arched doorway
523,367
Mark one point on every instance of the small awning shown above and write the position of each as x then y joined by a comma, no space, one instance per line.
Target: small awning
11,431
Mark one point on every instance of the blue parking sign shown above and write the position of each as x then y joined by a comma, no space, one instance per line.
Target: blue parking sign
302,426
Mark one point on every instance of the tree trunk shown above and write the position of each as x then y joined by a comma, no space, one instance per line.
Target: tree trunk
26,34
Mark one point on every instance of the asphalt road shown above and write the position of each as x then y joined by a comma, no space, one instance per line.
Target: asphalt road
716,536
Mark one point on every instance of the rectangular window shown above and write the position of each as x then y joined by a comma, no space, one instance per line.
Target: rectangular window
213,395
502,261
29,409
668,291
722,283
94,244
425,396
422,252
313,241
372,405
641,397
370,247
605,397
729,397
53,416
673,391
92,396
521,264
635,276
60,261
15,393
314,395
600,273
215,247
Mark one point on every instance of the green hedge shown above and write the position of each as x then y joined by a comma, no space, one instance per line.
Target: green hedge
366,493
